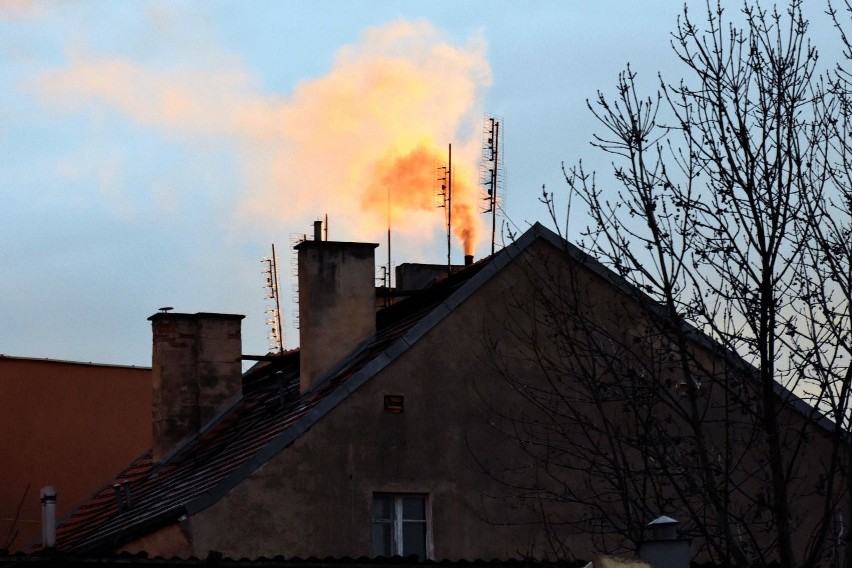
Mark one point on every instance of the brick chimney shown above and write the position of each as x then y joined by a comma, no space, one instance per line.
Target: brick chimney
196,373
337,299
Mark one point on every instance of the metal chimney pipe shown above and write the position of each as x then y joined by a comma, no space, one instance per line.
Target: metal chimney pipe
317,230
664,549
468,259
48,516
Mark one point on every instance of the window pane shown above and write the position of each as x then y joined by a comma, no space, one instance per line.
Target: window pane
382,507
414,539
414,508
382,539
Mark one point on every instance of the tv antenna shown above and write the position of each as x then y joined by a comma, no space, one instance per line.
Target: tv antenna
445,199
390,264
273,311
491,172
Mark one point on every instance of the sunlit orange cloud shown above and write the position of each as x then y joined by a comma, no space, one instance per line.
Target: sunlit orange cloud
377,124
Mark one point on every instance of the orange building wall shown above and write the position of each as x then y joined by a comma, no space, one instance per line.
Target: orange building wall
71,425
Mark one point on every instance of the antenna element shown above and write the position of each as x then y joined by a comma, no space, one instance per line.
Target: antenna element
273,311
491,172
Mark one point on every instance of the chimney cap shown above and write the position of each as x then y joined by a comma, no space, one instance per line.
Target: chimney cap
663,528
329,244
662,521
198,315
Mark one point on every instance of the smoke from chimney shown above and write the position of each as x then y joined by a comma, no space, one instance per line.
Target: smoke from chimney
412,177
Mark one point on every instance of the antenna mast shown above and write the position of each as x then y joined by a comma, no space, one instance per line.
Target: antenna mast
445,199
388,275
491,171
449,206
276,335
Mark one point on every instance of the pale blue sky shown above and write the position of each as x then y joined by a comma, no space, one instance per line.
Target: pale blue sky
109,210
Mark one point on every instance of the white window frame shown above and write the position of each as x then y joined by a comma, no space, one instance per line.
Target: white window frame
398,521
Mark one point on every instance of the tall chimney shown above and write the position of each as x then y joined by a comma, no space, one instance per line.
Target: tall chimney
196,373
337,297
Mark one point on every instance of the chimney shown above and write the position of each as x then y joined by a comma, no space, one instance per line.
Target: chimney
468,259
664,549
48,516
337,298
196,373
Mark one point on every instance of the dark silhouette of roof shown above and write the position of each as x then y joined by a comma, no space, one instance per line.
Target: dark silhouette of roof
63,560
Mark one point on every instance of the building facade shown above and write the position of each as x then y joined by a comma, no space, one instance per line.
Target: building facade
67,424
398,432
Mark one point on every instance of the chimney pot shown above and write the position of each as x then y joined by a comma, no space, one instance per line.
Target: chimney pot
468,259
317,231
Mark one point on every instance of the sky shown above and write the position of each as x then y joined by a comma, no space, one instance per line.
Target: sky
153,152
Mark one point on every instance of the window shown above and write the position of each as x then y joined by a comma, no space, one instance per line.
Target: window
399,525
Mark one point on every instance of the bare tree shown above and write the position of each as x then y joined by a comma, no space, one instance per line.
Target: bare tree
729,229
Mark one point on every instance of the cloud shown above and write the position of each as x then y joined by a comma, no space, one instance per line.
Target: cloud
378,122
21,9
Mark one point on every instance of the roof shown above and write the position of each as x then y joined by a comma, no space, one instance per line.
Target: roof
215,559
272,413
64,362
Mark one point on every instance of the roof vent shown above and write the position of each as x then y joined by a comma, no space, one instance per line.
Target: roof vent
48,516
664,549
123,498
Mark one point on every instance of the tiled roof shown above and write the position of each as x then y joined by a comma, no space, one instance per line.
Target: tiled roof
270,415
